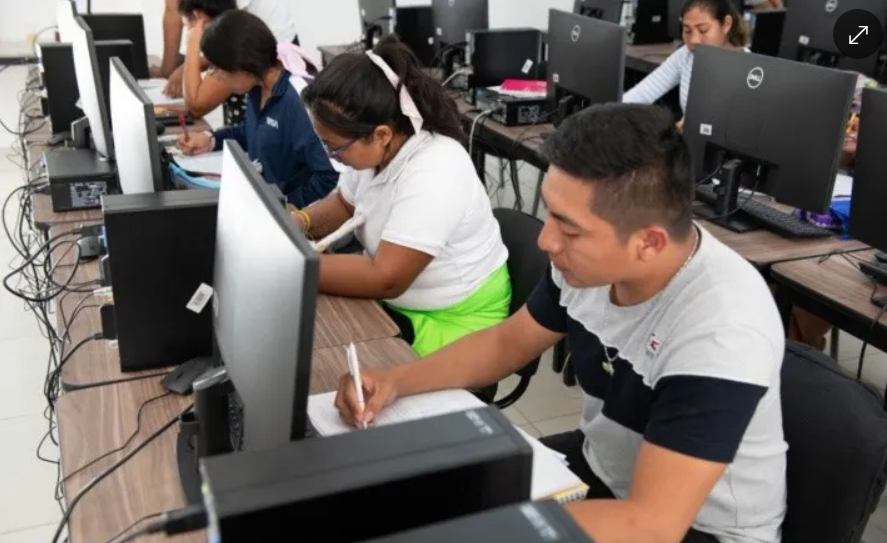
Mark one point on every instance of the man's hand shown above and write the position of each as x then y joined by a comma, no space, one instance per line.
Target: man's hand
195,143
174,87
155,71
379,391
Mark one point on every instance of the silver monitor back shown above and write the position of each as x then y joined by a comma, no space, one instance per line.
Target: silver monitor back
92,99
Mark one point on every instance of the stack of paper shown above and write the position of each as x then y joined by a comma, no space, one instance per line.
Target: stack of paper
205,164
158,98
551,477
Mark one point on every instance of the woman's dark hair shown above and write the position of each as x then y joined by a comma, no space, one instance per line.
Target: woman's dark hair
352,96
719,9
238,41
212,8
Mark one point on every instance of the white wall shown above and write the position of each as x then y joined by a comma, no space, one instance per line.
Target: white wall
319,22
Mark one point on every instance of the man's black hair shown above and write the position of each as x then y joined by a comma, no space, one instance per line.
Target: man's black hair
637,161
212,8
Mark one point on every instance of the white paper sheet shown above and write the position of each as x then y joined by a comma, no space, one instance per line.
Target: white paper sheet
843,186
207,163
155,94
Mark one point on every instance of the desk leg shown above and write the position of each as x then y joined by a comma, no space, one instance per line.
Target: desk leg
479,159
515,184
784,304
538,195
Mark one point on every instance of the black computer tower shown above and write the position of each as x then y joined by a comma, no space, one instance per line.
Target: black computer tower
415,27
60,78
371,483
161,248
78,178
651,22
536,522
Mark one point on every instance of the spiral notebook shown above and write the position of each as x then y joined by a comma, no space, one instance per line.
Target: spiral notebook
552,479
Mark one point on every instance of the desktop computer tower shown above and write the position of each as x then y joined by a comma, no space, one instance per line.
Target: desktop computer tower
371,483
60,79
161,248
536,522
78,178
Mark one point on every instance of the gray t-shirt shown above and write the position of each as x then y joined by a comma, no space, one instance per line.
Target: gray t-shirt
696,371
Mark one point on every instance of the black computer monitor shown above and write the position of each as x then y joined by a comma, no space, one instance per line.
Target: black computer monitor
675,21
869,189
415,28
497,55
586,61
772,125
605,10
139,167
89,85
376,20
652,21
123,26
452,21
265,285
808,34
766,30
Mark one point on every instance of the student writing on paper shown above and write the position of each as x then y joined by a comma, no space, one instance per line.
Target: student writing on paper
433,248
277,132
704,22
675,340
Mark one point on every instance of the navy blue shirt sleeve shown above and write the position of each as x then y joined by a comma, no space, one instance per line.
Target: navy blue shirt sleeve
321,179
236,133
703,417
544,305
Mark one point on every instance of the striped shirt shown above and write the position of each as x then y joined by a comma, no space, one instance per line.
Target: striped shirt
676,70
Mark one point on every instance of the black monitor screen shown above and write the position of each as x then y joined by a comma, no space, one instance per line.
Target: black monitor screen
454,18
123,26
867,208
497,55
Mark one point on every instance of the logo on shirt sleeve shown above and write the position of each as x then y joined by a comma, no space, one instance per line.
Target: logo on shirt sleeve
272,122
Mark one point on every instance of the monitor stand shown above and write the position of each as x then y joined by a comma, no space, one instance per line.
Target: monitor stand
567,104
875,269
371,32
449,58
725,209
818,57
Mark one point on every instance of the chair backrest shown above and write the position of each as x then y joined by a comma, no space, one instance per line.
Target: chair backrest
527,263
836,430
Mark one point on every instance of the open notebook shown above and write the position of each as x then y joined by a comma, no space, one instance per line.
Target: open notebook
552,479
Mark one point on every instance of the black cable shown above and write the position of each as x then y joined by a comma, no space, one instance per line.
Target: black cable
126,443
52,295
53,380
116,538
72,504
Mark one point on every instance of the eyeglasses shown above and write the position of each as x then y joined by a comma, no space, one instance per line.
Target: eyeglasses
335,152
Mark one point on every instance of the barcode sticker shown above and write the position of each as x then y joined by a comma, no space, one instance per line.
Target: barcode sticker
804,40
705,129
556,78
203,295
430,41
528,65
657,19
439,31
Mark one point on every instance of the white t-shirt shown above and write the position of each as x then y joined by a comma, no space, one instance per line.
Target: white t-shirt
429,199
696,370
275,14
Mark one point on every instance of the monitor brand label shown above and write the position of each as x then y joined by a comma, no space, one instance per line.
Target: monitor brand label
576,33
831,6
544,528
755,78
705,129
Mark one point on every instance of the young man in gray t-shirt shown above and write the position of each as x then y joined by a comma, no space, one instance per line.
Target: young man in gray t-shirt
675,340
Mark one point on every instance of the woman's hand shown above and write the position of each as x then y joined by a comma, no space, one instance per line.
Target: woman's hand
195,143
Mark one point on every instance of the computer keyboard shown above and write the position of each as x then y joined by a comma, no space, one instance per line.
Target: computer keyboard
779,222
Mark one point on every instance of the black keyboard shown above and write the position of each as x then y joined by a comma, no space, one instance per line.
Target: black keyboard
784,224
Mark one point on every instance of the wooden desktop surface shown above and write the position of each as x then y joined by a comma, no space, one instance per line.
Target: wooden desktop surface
94,421
44,217
836,286
338,322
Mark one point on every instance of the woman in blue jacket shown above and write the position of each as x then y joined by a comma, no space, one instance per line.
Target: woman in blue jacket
277,134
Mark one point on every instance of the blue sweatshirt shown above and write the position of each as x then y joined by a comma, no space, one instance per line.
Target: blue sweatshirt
280,137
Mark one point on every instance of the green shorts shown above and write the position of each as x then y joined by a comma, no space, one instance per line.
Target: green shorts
488,306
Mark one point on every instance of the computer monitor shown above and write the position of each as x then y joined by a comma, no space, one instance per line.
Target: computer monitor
65,12
869,189
651,22
123,26
586,62
808,34
266,280
139,167
452,21
89,85
415,28
772,125
376,20
675,21
766,30
605,10
497,55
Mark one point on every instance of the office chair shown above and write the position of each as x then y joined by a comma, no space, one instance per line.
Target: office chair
836,431
527,264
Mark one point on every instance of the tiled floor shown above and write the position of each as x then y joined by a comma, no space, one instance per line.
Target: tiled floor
28,512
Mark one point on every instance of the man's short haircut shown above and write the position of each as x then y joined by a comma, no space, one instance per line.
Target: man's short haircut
637,161
213,8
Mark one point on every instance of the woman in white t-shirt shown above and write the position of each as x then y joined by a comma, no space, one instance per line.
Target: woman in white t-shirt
433,250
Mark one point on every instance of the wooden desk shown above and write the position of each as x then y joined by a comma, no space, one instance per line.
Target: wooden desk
339,321
94,421
835,291
646,58
764,248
